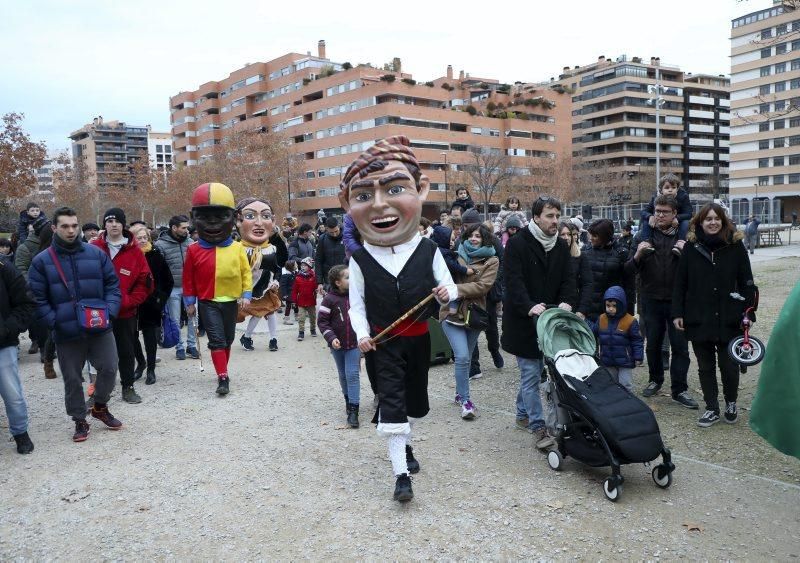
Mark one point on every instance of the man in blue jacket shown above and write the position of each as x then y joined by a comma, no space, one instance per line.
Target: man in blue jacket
89,274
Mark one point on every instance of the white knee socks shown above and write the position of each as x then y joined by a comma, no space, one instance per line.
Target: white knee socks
272,324
397,453
251,326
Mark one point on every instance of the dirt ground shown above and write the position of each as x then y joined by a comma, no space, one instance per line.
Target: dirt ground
269,472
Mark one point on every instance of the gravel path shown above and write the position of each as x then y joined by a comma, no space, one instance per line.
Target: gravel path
269,472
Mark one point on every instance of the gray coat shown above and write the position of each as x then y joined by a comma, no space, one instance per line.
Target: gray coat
25,253
175,254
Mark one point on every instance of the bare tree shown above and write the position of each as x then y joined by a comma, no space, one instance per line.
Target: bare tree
488,173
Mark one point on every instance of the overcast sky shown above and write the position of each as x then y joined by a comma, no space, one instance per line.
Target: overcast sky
65,62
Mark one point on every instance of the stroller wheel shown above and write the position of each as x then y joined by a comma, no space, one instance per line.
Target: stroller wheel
661,477
612,489
554,460
746,354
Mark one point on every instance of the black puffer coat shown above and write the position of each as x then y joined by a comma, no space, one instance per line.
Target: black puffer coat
17,305
608,269
702,288
150,310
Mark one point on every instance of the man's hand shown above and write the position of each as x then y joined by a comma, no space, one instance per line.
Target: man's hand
441,293
366,344
537,310
245,302
321,290
470,271
565,306
336,345
652,221
678,322
641,248
190,310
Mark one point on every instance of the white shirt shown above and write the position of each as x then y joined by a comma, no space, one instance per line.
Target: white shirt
393,259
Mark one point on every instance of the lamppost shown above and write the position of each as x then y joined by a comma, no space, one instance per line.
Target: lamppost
444,154
657,101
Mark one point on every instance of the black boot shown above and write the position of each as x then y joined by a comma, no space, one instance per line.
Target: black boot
402,488
151,377
352,416
411,461
223,386
24,444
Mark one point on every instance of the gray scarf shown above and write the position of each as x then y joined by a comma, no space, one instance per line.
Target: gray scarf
547,242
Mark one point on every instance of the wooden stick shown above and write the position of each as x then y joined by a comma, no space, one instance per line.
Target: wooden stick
401,319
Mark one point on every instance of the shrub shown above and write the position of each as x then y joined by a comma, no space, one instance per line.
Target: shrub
446,86
471,110
346,66
523,116
409,81
388,77
306,81
429,84
491,106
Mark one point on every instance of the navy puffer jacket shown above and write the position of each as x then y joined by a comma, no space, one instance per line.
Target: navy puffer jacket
618,348
88,269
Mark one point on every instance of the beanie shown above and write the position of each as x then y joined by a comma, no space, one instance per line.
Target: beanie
114,213
513,221
87,226
577,222
471,217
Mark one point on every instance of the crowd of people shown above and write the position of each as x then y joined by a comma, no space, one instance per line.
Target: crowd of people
88,293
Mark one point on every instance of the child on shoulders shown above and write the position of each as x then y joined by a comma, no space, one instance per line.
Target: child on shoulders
669,185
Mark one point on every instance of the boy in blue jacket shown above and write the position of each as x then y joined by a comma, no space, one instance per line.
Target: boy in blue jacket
619,337
669,185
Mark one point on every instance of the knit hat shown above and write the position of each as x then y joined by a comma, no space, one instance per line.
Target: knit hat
513,221
577,222
391,148
40,223
87,226
114,213
213,194
471,217
308,261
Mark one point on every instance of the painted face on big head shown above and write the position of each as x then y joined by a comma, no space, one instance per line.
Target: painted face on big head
214,223
255,222
548,220
386,205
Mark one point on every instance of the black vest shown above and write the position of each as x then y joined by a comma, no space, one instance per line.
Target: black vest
387,298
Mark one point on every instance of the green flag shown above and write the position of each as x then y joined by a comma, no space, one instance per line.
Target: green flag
776,406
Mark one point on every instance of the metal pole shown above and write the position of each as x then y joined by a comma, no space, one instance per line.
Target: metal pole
658,126
446,204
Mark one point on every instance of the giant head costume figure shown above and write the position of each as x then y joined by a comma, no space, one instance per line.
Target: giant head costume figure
255,221
383,190
213,212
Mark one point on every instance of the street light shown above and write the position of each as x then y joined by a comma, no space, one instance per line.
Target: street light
444,154
657,100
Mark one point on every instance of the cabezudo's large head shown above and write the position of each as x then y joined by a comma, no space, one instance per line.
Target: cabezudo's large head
213,212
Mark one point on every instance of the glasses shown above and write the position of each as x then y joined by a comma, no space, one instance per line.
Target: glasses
663,212
251,215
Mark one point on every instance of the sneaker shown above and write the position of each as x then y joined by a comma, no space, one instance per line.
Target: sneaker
273,344
300,336
709,418
158,360
523,424
477,375
497,358
651,389
685,400
247,343
542,439
180,354
467,410
402,488
193,353
458,400
288,321
731,415
102,414
314,332
223,386
129,395
411,461
24,444
454,320
81,431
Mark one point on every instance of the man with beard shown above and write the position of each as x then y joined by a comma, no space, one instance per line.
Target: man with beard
330,251
216,274
173,244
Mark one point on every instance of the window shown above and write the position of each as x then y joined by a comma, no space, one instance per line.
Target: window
777,180
763,126
794,160
763,89
778,142
765,71
780,67
781,29
763,180
796,44
795,64
795,122
763,145
781,49
766,33
780,105
167,148
780,87
763,163
794,178
794,140
779,124
777,161
763,108
159,148
766,53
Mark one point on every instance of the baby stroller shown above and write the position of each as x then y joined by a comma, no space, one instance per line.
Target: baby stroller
597,420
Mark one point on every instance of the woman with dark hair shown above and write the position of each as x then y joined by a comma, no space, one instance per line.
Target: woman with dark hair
712,288
607,264
512,208
476,251
581,268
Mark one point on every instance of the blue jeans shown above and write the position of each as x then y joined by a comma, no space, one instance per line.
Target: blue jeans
529,404
348,363
462,341
11,391
174,306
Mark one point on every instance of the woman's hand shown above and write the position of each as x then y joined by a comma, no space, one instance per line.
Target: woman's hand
678,322
336,345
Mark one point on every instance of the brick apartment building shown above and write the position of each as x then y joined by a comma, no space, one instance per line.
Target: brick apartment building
332,111
765,125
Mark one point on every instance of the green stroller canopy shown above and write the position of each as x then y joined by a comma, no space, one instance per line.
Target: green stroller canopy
559,330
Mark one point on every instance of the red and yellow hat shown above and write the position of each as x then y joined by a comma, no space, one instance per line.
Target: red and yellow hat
213,194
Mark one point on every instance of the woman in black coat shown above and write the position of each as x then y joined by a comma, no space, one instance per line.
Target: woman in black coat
608,268
581,268
150,310
713,266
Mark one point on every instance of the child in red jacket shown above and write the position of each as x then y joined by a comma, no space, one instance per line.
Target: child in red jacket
304,294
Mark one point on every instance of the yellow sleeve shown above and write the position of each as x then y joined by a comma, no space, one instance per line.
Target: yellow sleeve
247,273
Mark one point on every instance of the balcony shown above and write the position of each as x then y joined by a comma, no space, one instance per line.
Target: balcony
701,100
699,114
701,128
695,142
702,170
701,156
112,149
110,138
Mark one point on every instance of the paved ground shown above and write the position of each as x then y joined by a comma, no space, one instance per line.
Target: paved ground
270,472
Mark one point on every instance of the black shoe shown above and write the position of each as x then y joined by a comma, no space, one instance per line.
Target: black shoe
709,418
180,354
731,415
138,373
313,333
223,387
273,344
411,461
651,389
352,416
24,444
81,431
151,377
402,488
497,358
300,336
195,355
247,343
685,400
129,395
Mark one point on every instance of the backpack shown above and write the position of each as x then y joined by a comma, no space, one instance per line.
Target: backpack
170,331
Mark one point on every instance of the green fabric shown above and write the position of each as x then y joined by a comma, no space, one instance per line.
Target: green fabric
471,253
560,330
775,409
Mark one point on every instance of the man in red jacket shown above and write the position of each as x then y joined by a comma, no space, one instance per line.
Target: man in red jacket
135,284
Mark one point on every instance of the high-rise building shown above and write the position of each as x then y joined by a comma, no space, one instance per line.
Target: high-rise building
331,112
159,150
614,125
765,107
44,178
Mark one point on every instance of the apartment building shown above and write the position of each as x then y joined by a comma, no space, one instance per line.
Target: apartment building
614,125
107,149
159,151
44,178
330,112
765,107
